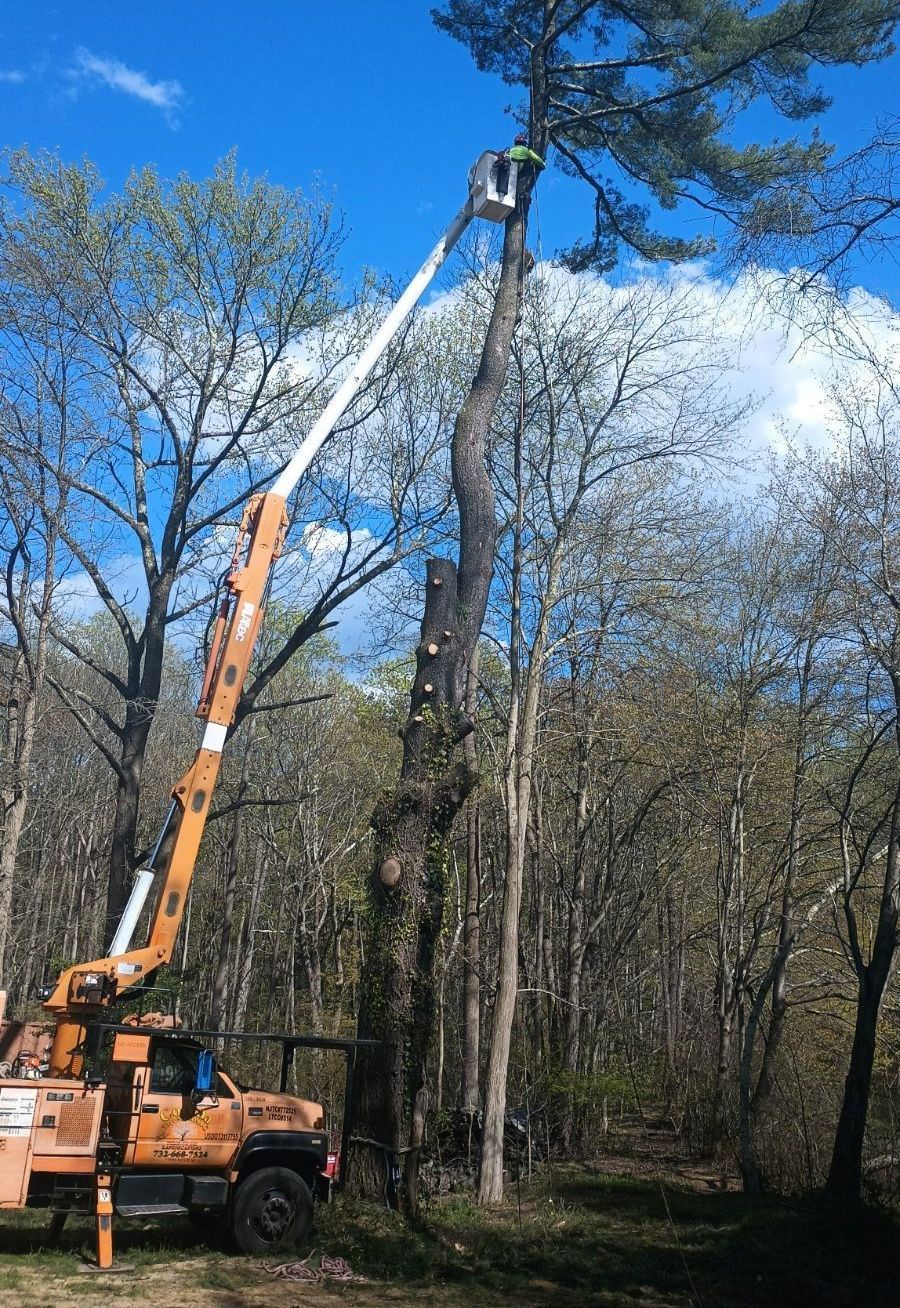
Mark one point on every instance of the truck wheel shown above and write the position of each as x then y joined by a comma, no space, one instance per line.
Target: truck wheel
271,1206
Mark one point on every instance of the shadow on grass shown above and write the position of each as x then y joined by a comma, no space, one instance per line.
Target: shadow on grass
137,1240
587,1239
604,1240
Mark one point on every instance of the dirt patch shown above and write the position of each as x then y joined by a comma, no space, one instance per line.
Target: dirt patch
193,1283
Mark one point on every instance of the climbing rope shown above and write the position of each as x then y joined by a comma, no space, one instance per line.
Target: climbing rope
392,1158
329,1269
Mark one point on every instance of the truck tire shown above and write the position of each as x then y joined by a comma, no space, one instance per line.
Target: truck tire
272,1207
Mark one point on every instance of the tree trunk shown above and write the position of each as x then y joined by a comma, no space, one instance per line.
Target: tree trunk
26,685
490,1181
517,788
145,680
540,910
413,824
471,982
729,949
753,1102
575,949
845,1173
247,945
726,1007
407,891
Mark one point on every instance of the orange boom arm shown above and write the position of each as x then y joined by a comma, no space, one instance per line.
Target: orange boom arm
87,988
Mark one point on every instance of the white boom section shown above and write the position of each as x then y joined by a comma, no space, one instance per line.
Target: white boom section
485,201
349,388
492,195
143,880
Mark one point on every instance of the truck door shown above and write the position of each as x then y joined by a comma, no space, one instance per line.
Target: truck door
173,1130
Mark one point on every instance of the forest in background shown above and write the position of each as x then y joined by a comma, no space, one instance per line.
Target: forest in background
619,829
696,689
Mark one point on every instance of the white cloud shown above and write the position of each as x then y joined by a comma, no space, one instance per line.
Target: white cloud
13,76
164,95
75,596
321,542
787,370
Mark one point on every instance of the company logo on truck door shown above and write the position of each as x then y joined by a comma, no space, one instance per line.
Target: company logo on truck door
181,1139
243,626
175,1127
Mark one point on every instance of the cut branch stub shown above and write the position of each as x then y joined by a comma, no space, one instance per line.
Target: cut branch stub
390,872
434,684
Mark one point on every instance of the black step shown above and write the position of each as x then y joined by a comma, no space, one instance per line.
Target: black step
75,1194
150,1210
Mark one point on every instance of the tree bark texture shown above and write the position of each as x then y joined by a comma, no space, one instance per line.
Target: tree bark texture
408,884
471,986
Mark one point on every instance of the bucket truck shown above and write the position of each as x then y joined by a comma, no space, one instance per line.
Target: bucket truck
159,1128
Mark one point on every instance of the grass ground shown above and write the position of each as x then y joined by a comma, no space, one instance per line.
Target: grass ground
581,1237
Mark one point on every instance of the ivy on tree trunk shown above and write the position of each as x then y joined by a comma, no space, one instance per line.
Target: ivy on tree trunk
412,824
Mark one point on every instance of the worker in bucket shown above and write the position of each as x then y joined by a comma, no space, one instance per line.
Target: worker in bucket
522,153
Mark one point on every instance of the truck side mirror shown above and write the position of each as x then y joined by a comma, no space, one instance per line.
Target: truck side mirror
205,1077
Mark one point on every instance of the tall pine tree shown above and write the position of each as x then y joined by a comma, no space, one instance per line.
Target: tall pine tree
640,100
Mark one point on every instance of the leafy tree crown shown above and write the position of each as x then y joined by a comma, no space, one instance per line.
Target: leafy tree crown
645,95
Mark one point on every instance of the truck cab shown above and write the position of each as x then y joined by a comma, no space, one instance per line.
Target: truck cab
177,1135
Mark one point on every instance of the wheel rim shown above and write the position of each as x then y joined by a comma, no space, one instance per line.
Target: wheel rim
273,1217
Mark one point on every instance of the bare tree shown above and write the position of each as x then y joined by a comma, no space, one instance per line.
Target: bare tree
34,411
610,384
185,311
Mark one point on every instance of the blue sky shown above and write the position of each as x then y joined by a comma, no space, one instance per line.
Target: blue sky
366,97
369,100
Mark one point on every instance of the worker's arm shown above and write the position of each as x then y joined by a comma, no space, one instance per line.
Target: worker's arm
523,154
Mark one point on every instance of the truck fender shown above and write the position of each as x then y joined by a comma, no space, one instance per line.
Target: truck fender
304,1152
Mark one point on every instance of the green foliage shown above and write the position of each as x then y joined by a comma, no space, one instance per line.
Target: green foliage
588,1090
651,94
167,244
